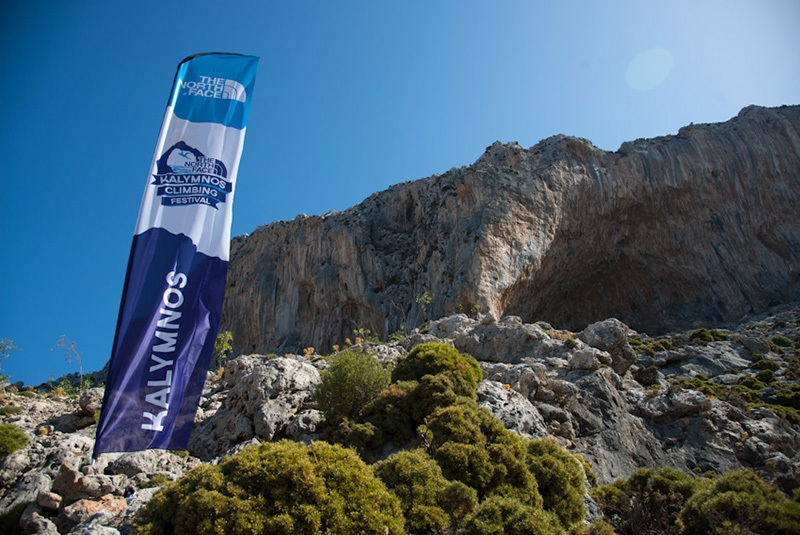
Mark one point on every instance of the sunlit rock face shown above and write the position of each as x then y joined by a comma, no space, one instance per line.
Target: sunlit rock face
697,228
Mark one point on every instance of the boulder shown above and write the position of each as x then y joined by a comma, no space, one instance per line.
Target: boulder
264,397
510,407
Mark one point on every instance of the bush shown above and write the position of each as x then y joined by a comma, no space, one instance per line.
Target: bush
353,380
751,382
766,376
473,447
704,336
789,396
560,479
740,502
432,358
460,423
10,409
467,463
500,515
432,392
649,497
276,488
12,438
429,501
459,501
390,413
765,364
781,341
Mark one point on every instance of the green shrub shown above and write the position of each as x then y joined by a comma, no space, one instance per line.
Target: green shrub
276,488
459,423
468,463
473,447
781,341
748,388
649,497
793,371
789,413
765,364
10,409
704,336
789,396
354,379
157,480
432,392
740,502
653,347
361,436
662,345
390,412
559,476
432,358
501,515
418,482
751,382
766,376
459,501
12,438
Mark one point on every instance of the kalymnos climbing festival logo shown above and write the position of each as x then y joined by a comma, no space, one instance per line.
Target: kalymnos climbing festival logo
185,176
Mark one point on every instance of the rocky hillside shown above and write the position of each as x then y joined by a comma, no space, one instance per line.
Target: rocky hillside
686,230
700,400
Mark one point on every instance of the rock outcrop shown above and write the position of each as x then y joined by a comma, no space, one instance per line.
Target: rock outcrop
697,228
697,401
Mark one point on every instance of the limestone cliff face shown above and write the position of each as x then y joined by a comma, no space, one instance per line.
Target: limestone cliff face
663,234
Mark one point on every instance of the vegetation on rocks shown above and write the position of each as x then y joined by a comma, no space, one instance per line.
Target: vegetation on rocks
413,440
667,501
461,470
739,502
649,501
276,488
12,438
354,379
464,470
429,500
435,358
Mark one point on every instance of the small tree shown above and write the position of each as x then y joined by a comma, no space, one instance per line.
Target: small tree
71,356
6,347
424,300
223,347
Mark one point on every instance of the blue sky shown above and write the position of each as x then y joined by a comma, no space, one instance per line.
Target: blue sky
351,97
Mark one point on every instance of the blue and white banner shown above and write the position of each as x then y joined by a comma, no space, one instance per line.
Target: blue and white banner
175,281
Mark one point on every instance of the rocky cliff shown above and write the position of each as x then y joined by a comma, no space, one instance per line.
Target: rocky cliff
696,228
707,400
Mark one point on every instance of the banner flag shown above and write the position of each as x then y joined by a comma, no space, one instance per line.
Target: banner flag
175,282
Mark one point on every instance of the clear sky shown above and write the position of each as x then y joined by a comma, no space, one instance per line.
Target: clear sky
351,97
